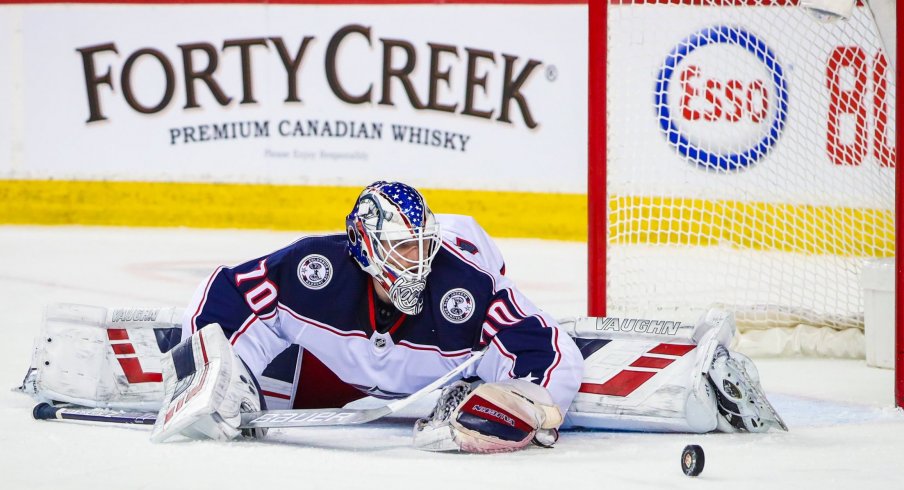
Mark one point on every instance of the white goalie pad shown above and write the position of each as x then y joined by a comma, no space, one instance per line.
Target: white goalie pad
100,357
645,375
208,387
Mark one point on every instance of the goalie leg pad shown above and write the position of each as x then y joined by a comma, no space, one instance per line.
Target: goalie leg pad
207,388
643,382
101,357
493,417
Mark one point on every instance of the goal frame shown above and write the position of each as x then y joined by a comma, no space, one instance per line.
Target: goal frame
596,179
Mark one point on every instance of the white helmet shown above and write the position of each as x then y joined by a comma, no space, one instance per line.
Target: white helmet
393,236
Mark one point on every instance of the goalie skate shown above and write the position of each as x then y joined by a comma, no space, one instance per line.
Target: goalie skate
743,405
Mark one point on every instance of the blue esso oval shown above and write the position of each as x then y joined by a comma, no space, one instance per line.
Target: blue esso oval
718,114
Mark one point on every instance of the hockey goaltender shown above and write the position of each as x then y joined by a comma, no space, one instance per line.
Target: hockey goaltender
403,301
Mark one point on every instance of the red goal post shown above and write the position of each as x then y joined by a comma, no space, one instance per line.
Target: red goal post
846,108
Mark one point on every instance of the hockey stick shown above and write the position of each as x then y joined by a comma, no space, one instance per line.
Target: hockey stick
46,411
314,417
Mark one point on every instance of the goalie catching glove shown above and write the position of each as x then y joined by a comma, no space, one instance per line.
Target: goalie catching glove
493,417
207,388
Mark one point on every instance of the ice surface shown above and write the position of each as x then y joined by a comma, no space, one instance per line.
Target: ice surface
844,431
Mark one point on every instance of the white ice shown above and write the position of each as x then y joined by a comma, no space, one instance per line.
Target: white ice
844,431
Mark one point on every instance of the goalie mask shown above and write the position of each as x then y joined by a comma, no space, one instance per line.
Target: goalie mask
393,236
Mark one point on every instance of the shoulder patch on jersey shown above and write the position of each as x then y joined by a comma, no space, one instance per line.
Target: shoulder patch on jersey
315,271
466,246
457,305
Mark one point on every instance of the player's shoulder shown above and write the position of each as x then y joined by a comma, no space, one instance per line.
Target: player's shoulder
467,243
330,247
314,265
331,243
459,224
461,230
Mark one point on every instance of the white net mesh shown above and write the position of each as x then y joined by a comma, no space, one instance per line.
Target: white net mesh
750,152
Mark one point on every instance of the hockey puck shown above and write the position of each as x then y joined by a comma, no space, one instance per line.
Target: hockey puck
692,460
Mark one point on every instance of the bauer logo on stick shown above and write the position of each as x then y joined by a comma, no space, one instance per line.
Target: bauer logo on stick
315,271
721,98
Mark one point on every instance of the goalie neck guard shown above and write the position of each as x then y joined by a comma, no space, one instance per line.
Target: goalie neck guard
393,236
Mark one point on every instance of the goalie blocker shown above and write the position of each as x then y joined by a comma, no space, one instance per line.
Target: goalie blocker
638,375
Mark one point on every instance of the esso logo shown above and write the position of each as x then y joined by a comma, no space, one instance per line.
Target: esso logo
718,114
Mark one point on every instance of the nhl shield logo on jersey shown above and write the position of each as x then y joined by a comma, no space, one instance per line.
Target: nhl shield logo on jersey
457,305
315,271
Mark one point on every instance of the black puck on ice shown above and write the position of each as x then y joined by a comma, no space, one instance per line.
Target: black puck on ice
692,460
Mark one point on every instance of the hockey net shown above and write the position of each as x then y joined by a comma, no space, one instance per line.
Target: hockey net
748,162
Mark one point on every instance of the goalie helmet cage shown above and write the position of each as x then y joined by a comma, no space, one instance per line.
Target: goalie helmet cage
741,153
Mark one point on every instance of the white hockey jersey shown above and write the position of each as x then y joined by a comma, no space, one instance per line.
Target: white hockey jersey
312,294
